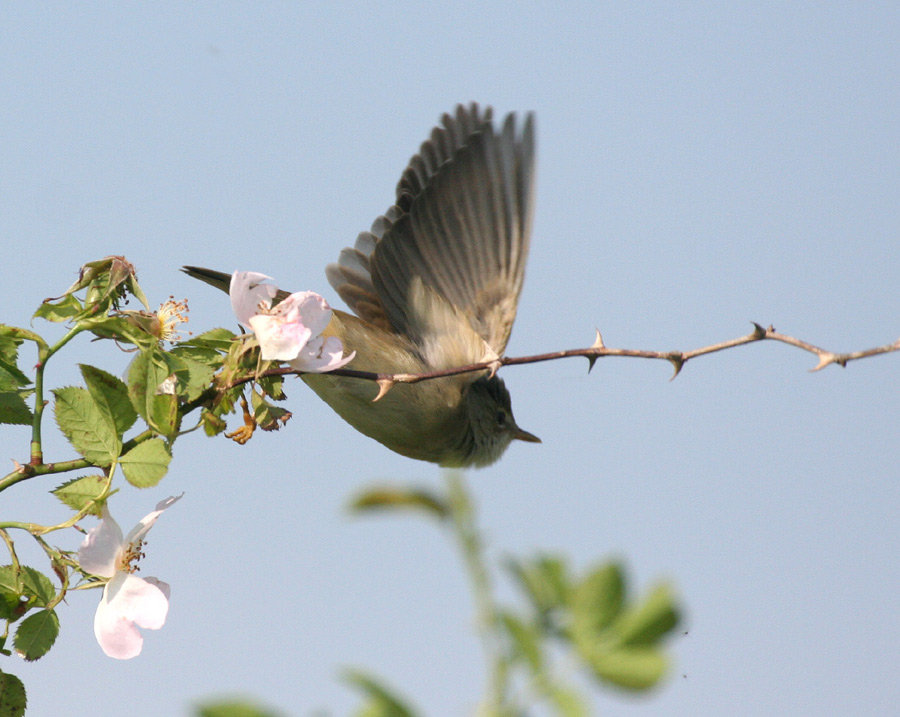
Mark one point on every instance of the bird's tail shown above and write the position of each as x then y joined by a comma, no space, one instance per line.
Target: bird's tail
218,279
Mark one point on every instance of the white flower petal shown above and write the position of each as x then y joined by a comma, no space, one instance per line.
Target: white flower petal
279,340
314,311
140,530
129,601
100,549
164,587
247,290
321,355
117,637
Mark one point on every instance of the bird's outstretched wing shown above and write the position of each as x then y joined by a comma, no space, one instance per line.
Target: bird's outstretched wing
457,236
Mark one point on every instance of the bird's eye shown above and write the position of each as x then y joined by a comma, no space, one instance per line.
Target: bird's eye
501,418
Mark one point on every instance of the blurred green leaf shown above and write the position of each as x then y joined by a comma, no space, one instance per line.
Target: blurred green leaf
568,702
12,696
544,580
380,701
87,424
597,600
14,410
634,668
233,708
112,392
36,635
145,465
646,623
392,498
79,492
147,387
524,639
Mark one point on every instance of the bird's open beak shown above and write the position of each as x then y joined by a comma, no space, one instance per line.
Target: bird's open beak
525,436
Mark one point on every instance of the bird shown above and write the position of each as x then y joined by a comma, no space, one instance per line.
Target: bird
434,284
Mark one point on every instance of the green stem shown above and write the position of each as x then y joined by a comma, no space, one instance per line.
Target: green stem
14,560
76,464
471,544
44,355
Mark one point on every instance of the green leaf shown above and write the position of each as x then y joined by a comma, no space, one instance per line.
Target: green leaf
11,377
87,424
36,635
78,493
269,417
12,696
233,708
213,425
145,465
111,392
37,586
544,581
648,622
634,668
120,327
524,639
380,701
12,603
568,702
136,291
391,498
146,379
58,310
597,600
274,387
216,339
10,581
200,354
194,377
20,591
14,410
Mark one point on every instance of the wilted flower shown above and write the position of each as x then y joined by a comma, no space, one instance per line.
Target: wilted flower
128,601
291,330
170,314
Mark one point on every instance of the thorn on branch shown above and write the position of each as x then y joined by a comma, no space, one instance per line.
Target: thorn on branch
676,358
384,385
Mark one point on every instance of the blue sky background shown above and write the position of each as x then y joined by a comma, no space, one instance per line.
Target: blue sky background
701,166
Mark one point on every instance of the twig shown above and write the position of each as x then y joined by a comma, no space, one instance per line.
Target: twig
597,350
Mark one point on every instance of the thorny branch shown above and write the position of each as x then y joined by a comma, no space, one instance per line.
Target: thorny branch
598,350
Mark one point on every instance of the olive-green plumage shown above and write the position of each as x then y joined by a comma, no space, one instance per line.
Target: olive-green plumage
434,284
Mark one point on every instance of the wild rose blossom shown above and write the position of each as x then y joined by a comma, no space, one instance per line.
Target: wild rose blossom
291,330
128,601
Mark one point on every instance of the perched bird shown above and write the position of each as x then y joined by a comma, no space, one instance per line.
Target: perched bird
434,284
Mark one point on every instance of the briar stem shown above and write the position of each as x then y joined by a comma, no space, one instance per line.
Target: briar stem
44,354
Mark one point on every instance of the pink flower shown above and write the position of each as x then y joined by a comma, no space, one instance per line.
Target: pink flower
128,601
291,330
